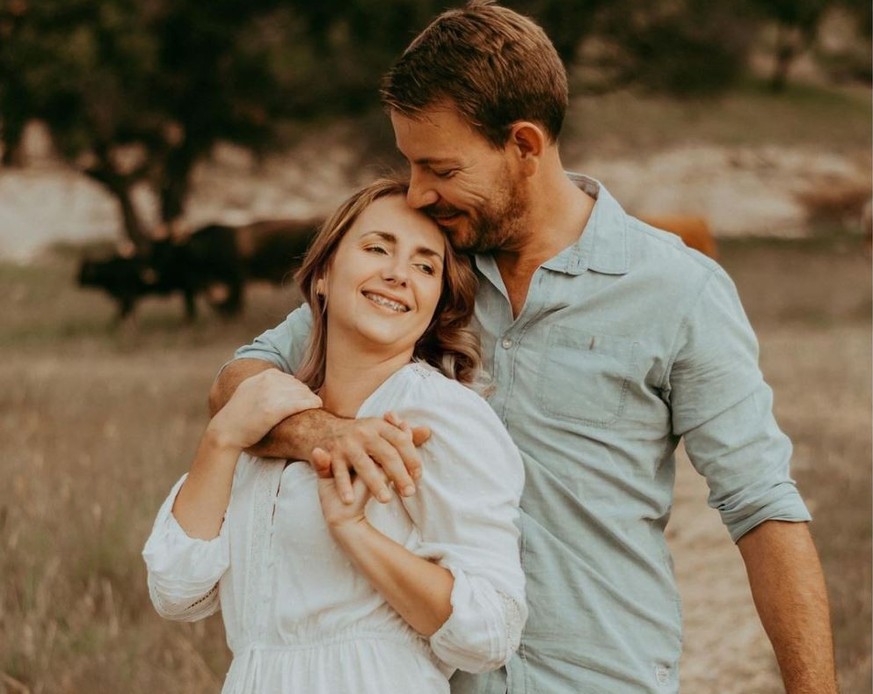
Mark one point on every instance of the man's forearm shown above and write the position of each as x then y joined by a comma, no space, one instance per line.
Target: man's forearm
789,592
293,437
371,448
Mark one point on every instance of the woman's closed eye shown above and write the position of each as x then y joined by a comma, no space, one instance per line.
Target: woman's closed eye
376,248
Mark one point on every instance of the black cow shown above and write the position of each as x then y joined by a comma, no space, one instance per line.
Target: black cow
214,256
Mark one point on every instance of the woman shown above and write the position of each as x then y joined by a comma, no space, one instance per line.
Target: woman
322,596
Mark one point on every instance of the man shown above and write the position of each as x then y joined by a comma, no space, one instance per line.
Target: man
608,342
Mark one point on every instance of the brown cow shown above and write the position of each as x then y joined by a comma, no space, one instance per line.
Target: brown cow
694,231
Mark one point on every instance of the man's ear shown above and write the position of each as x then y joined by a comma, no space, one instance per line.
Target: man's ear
528,141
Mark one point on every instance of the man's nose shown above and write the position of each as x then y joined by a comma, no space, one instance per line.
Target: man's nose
420,194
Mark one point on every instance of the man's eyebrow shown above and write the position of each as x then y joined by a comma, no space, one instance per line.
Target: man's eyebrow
435,161
392,239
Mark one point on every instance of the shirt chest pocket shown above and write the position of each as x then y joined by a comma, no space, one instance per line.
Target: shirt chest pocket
584,376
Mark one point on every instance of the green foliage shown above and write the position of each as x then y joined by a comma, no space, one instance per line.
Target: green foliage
141,90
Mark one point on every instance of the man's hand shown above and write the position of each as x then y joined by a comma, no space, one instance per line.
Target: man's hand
377,451
381,451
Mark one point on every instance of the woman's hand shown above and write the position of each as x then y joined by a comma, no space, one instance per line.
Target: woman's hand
258,404
341,515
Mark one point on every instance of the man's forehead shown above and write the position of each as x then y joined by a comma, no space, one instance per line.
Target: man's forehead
430,144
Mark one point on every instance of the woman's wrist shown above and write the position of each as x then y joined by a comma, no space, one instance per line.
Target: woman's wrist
350,531
216,442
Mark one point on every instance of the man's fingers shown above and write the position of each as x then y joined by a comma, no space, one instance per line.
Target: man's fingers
369,472
392,419
420,435
398,458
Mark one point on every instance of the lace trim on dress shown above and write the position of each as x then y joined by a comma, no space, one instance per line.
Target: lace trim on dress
200,608
257,591
513,622
422,369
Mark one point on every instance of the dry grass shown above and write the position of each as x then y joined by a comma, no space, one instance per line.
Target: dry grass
95,425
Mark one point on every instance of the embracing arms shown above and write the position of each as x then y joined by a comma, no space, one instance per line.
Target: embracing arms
419,590
367,446
187,551
260,401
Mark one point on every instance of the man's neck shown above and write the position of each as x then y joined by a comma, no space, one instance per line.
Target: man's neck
557,217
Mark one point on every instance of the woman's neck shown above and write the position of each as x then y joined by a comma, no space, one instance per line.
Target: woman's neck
350,376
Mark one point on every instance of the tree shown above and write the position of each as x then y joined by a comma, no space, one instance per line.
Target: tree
139,91
135,91
797,23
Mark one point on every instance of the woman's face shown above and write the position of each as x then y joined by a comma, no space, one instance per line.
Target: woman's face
384,281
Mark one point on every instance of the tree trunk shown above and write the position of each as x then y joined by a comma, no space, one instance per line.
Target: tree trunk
176,182
120,185
13,120
786,52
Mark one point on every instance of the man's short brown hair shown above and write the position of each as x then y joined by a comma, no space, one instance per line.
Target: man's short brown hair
495,66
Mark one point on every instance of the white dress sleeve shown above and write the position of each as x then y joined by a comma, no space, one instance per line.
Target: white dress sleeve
183,572
466,509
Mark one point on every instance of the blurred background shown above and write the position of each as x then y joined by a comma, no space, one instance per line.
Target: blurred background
164,163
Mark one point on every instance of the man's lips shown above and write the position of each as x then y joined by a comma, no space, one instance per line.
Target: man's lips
442,214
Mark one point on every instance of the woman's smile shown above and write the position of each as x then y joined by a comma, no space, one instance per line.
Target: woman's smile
386,302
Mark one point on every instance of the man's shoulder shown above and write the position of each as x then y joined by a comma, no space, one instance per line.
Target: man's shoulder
654,245
663,263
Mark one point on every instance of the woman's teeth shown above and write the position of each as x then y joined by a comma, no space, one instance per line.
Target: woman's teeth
387,303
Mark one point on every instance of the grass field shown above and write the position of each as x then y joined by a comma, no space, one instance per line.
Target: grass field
97,422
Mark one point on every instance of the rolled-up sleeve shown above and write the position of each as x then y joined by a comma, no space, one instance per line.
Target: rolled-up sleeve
283,345
183,572
466,510
724,410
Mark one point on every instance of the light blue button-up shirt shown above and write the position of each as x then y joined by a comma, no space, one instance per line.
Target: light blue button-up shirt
627,342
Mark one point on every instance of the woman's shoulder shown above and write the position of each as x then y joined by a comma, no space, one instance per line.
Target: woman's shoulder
420,387
423,382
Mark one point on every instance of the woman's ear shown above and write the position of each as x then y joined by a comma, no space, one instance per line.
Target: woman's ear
319,286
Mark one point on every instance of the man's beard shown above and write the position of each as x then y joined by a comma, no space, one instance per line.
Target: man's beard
488,228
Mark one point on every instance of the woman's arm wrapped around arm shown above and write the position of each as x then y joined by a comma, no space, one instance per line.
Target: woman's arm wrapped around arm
183,572
466,511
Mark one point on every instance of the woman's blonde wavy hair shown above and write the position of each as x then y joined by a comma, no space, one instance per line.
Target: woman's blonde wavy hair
448,343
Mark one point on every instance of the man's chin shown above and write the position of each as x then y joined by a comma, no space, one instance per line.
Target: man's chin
457,230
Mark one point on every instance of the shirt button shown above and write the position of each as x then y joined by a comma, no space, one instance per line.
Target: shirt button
507,343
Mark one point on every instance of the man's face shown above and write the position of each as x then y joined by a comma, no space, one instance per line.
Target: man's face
470,189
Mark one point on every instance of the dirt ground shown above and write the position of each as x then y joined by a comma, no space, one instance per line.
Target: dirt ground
96,423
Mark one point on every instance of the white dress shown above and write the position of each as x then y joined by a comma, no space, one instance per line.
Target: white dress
300,618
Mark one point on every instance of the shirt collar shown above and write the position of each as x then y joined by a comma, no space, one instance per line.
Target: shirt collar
602,244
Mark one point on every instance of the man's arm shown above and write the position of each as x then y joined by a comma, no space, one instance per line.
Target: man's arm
789,592
362,445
